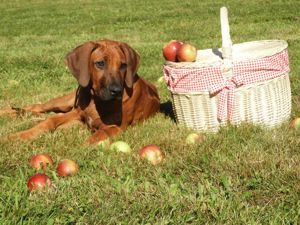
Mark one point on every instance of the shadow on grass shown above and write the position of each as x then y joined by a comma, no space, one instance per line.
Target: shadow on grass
167,110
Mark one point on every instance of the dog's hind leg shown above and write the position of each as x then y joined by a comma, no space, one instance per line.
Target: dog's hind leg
49,124
60,104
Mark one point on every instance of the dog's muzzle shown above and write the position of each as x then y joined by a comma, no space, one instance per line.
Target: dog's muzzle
115,91
111,92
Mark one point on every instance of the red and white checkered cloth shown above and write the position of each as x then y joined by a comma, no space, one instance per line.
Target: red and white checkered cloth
211,79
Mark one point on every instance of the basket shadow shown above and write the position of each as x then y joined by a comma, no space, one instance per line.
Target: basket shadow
167,110
217,52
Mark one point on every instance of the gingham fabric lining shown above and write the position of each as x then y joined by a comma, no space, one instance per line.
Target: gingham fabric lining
212,80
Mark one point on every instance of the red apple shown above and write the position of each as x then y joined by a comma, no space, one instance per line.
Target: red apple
187,53
152,153
66,168
38,181
41,161
170,50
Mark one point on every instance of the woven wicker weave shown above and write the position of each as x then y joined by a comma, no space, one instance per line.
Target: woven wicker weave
266,103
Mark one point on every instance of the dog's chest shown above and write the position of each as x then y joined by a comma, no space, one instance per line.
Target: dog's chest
99,115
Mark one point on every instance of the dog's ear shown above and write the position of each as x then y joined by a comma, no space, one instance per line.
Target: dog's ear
132,61
78,62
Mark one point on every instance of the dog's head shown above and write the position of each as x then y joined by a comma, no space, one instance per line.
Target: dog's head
108,67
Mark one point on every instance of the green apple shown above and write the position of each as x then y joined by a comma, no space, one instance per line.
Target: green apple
194,138
120,146
161,79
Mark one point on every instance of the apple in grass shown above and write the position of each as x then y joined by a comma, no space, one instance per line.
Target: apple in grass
38,181
66,168
41,161
187,53
170,50
152,153
161,79
295,124
194,138
120,146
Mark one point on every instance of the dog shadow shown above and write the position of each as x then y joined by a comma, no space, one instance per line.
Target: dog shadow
167,109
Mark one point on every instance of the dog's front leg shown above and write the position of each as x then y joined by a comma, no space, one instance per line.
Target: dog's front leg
104,133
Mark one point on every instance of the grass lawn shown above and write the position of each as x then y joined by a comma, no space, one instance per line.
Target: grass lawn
244,175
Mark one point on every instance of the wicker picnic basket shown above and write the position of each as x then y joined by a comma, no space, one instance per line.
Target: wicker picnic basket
247,82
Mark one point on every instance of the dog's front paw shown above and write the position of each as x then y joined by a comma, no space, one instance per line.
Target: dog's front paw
98,136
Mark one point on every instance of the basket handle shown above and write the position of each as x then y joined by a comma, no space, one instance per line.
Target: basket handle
226,41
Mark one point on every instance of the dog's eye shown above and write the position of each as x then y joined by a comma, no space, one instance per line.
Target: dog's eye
123,66
100,64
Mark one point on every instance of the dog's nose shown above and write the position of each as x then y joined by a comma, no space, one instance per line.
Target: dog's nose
115,90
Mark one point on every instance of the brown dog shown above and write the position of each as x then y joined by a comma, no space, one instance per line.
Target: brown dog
110,95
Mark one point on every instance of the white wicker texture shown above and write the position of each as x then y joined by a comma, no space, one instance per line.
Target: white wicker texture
266,103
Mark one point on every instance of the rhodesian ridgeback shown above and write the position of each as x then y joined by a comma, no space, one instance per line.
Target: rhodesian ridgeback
110,95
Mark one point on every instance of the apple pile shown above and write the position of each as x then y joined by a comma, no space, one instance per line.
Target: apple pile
40,181
178,51
151,153
66,167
